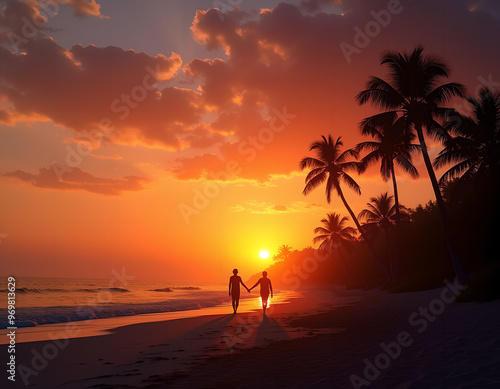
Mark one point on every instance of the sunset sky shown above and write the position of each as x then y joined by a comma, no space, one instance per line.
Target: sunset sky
164,137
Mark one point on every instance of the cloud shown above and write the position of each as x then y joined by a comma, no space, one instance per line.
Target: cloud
274,209
29,18
231,122
202,136
77,179
100,156
278,64
489,7
313,6
84,8
83,87
287,58
20,18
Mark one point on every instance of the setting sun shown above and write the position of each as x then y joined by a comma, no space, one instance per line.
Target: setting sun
264,254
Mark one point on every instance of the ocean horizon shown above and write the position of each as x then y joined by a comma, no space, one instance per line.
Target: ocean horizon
41,301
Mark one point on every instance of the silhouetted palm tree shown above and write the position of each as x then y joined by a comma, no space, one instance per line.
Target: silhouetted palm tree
391,144
413,90
381,215
335,235
476,147
331,165
284,252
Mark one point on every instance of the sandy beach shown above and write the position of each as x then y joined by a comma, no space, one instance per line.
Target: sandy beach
332,338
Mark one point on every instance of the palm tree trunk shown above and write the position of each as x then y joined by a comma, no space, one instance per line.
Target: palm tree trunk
443,213
355,219
396,204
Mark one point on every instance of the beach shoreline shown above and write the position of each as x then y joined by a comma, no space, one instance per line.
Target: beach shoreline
321,339
103,326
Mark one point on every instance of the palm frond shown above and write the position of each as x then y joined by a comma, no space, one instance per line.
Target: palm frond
468,166
407,166
346,154
310,162
349,181
314,182
381,94
443,93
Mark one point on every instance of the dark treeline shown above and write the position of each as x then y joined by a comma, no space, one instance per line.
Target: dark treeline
454,236
424,259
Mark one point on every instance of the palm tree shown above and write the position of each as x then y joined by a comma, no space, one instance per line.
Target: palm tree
284,252
391,144
331,165
414,91
334,234
476,147
380,214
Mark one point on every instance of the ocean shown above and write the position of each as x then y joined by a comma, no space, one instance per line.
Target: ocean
42,301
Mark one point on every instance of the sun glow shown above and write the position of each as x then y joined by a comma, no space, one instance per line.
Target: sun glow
264,254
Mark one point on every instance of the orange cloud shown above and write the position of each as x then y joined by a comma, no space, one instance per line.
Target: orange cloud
269,74
84,8
232,120
285,58
77,179
100,156
109,89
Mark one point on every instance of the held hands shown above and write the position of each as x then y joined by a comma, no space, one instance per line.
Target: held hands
249,290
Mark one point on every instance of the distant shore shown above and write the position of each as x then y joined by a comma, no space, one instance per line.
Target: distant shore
331,338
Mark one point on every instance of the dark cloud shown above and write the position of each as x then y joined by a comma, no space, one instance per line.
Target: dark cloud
318,5
77,179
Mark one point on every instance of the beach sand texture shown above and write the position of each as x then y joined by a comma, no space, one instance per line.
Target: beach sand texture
321,340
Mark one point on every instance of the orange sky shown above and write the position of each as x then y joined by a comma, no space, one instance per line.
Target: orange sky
113,145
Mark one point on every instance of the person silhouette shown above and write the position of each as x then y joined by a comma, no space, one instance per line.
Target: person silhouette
265,287
234,288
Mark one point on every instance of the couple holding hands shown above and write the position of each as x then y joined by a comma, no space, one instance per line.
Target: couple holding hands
234,289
